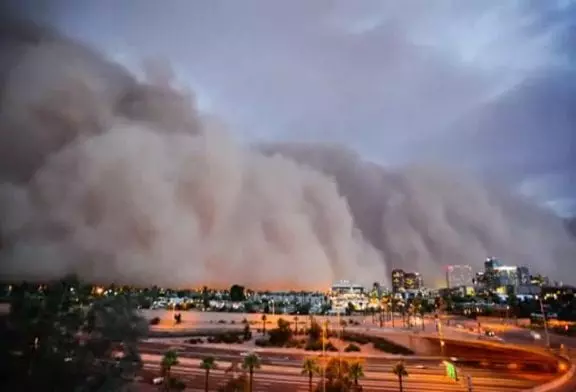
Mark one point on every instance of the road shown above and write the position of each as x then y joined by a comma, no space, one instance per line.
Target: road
281,372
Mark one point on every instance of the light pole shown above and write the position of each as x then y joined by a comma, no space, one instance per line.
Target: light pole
545,321
324,325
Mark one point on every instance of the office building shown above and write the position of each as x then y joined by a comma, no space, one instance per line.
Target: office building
524,276
459,276
491,278
506,275
412,281
397,280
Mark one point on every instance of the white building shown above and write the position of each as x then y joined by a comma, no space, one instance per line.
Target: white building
344,292
459,275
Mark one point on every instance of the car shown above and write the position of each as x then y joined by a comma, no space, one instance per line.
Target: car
489,332
158,380
420,367
535,335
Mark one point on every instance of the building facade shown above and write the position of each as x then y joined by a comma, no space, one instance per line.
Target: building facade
412,281
397,280
459,276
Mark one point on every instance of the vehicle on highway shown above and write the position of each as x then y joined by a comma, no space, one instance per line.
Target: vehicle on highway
489,333
158,380
535,335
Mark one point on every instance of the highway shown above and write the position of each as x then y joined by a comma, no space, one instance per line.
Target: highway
281,372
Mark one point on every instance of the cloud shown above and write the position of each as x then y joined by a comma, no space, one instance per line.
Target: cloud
107,175
122,180
397,81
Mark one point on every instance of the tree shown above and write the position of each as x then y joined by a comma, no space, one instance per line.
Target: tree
251,363
310,368
355,372
205,298
237,293
400,371
208,364
315,331
337,369
246,332
52,342
169,360
263,324
281,335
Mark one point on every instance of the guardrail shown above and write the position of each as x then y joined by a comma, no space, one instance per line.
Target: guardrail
556,383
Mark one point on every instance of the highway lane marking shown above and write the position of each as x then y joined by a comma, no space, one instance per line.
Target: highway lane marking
423,384
369,375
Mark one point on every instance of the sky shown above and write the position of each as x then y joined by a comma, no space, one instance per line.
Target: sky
482,85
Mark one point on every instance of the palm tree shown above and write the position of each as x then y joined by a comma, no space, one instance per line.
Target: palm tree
170,359
310,368
400,371
263,324
356,371
251,362
208,363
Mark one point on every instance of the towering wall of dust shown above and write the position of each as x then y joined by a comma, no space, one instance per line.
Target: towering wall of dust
115,179
422,219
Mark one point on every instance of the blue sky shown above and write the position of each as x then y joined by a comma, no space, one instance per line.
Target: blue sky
485,85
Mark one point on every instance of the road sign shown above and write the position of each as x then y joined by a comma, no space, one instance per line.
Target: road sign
451,370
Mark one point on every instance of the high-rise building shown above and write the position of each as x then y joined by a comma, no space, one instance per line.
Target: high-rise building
397,280
419,281
490,274
523,275
479,279
459,276
506,275
412,281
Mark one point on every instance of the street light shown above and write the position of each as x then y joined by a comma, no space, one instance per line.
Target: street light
324,327
539,298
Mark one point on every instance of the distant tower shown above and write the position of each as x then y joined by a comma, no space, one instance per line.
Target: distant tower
397,280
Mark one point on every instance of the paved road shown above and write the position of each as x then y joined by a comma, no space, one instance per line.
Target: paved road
282,378
281,372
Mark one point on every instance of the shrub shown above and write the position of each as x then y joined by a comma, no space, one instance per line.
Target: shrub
313,345
155,321
176,384
391,348
261,342
292,343
351,348
230,338
330,347
221,321
279,336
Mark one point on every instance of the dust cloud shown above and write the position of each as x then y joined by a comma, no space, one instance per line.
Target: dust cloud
423,218
122,179
118,179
